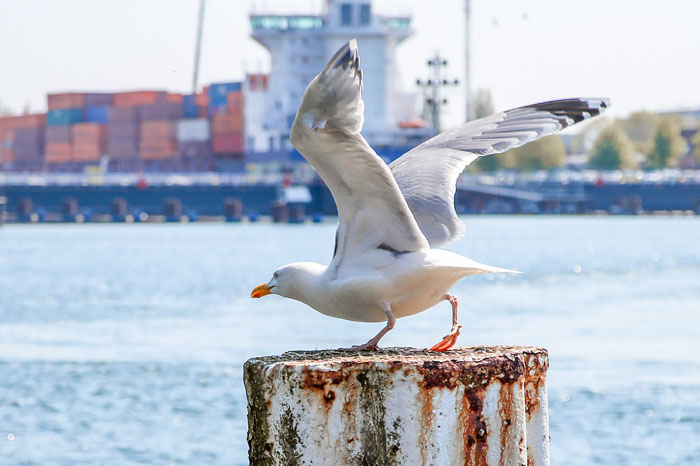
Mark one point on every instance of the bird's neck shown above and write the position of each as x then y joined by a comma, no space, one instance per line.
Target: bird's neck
307,284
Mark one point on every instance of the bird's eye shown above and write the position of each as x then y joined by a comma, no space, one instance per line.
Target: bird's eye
275,275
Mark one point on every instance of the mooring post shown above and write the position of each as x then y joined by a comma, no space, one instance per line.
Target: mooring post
399,406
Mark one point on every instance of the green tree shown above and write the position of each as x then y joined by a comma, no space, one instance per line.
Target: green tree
640,128
612,150
668,145
542,154
695,141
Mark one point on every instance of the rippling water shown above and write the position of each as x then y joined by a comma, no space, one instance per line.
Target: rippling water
124,344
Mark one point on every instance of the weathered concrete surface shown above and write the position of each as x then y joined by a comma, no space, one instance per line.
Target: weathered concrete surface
399,406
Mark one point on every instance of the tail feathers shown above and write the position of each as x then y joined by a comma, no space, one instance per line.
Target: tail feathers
477,268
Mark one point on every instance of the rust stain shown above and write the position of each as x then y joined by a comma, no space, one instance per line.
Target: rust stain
473,426
321,382
427,416
506,411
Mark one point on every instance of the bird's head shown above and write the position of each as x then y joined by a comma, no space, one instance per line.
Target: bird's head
291,281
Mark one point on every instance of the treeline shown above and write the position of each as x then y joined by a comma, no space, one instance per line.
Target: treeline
643,140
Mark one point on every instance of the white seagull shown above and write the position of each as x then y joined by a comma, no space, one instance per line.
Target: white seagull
392,218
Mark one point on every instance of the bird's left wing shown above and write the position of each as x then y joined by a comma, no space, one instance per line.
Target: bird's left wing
372,213
427,174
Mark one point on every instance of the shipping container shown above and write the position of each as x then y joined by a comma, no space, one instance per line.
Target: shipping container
129,99
57,133
59,152
218,93
192,111
190,107
66,116
29,136
123,150
226,124
28,144
234,103
162,111
193,130
99,99
157,130
227,143
156,150
202,98
7,155
123,115
174,98
192,149
88,133
98,114
123,132
86,152
22,121
66,100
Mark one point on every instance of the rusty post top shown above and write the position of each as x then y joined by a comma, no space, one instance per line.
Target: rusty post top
446,366
407,356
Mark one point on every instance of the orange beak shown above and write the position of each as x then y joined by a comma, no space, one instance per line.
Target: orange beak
260,291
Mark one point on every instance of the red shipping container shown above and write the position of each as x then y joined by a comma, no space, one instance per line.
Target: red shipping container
89,133
234,103
30,121
202,99
230,143
128,99
6,154
66,100
157,130
87,152
59,152
175,98
155,150
227,124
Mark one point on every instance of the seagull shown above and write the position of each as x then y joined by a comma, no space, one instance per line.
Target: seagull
393,218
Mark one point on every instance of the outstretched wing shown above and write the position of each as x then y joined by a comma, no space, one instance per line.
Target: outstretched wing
372,213
427,174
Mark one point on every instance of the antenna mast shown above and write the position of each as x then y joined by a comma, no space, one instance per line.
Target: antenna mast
198,46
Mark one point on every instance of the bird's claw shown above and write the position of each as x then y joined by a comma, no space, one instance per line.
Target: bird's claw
449,340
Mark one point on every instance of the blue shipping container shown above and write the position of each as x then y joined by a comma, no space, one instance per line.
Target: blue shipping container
66,116
219,92
191,111
97,114
189,99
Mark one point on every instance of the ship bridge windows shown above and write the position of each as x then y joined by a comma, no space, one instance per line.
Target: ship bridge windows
346,14
286,22
365,14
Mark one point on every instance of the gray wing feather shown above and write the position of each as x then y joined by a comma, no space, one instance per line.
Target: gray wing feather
427,175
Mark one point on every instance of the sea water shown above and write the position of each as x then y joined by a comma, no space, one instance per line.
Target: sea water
124,344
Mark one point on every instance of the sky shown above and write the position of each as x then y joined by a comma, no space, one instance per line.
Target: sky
641,54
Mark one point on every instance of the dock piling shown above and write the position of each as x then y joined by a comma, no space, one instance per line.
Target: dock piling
473,406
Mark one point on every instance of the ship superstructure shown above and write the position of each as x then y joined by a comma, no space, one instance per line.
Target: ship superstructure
299,47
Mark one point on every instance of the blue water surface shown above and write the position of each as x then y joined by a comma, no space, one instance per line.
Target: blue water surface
124,344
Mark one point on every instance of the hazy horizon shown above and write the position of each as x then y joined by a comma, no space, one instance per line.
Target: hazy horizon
639,54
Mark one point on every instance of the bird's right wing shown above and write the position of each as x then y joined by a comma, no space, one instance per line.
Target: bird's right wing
427,174
373,216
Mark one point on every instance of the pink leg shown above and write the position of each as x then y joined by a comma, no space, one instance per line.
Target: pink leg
372,344
451,338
